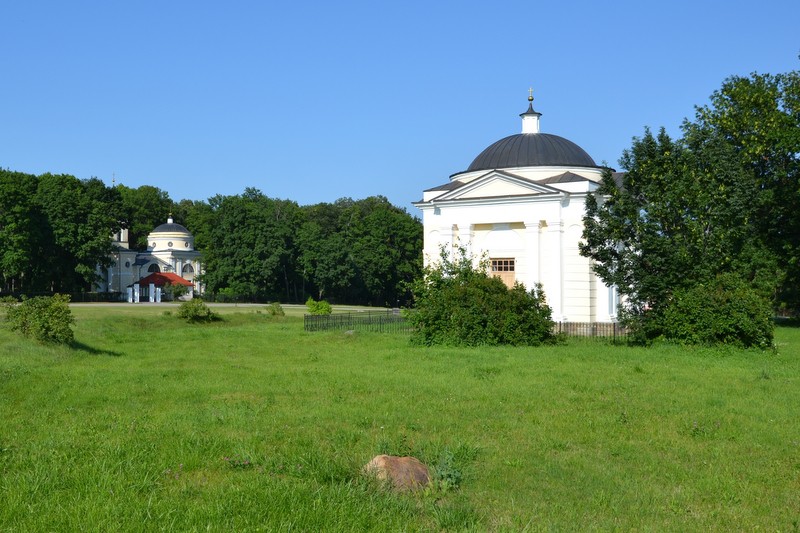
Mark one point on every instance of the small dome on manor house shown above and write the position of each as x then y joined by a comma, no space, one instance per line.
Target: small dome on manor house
171,227
170,236
531,148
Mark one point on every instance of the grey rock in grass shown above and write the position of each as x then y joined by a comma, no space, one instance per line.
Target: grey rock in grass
404,473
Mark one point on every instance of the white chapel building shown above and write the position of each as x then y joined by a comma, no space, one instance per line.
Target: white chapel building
521,204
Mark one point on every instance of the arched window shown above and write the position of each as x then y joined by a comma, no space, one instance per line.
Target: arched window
154,268
188,272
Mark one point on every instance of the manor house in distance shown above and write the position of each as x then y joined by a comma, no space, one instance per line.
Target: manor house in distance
170,258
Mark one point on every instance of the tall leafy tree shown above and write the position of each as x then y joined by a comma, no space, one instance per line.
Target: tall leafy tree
143,209
387,245
759,117
22,233
252,252
361,251
679,218
81,216
198,217
325,256
717,201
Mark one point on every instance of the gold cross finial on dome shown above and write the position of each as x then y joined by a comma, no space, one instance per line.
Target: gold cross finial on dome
530,94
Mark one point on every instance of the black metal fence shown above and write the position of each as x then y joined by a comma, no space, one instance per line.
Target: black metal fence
390,321
609,330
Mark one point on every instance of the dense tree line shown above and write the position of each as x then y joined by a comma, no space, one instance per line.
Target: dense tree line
55,230
350,251
719,204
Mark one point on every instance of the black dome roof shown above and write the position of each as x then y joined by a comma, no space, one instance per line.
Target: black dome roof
171,227
532,150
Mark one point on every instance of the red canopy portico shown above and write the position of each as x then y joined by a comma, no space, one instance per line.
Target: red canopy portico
159,279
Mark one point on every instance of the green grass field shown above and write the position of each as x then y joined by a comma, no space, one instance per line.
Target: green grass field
251,424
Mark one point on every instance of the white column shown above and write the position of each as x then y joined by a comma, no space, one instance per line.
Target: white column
532,254
556,294
465,237
446,241
197,271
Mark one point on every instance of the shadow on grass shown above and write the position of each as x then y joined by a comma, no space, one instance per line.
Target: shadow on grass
81,347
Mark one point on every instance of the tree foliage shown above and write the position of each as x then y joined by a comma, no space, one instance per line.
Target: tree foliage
22,232
54,231
719,200
198,217
260,248
457,302
325,258
364,251
173,292
253,252
81,215
759,118
143,209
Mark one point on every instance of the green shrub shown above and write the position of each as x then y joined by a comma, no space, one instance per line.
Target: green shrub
643,325
459,303
318,308
725,311
47,319
173,292
6,303
276,309
195,310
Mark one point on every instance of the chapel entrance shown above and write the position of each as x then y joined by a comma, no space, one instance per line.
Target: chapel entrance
503,268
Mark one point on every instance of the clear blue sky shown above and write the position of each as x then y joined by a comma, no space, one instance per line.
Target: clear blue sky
313,101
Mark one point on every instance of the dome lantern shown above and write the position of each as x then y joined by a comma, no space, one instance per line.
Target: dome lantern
530,118
531,148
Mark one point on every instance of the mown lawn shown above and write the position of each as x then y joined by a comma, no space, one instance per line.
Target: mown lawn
251,424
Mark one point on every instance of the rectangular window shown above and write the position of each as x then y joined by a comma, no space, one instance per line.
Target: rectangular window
502,265
504,269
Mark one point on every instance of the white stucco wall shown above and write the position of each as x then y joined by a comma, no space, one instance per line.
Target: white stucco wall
540,231
167,241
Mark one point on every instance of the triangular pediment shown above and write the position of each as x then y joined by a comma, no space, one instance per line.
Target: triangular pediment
498,184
